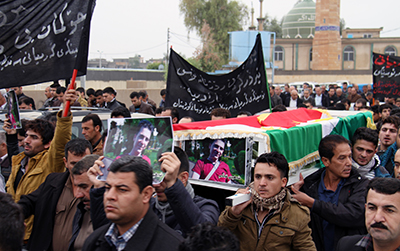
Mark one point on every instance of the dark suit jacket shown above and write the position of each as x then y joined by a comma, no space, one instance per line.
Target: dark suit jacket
42,203
298,100
324,101
151,235
311,99
349,243
144,108
113,104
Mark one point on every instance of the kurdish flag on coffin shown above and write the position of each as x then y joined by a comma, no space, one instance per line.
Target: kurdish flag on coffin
296,133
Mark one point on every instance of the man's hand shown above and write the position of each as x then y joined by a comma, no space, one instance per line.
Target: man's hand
94,171
7,127
303,198
170,165
237,210
70,95
299,183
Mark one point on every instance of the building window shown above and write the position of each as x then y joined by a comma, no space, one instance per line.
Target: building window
278,53
367,36
390,51
310,54
348,54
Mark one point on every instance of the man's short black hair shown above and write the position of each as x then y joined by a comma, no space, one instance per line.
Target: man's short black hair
362,101
328,144
98,93
26,100
120,111
384,106
61,89
139,166
276,159
42,127
158,110
145,124
391,120
182,156
208,237
77,147
174,112
384,185
220,112
84,164
395,112
163,92
339,106
134,95
90,91
55,85
244,113
12,227
375,108
142,94
81,90
95,118
110,90
367,134
279,108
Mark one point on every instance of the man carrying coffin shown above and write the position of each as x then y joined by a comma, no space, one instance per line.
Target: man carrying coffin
271,219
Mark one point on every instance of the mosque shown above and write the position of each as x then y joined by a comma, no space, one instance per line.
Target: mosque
312,48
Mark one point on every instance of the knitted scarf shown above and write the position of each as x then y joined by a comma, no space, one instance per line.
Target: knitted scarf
275,202
367,171
389,155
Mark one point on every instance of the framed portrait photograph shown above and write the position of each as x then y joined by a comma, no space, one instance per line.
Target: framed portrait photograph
13,110
224,160
147,138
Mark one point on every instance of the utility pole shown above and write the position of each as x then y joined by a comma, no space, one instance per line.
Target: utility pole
166,57
100,58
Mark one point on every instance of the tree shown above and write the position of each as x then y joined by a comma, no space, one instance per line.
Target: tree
273,25
222,16
207,55
342,25
134,62
154,66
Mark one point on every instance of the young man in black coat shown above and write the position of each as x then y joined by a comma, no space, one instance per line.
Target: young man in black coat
127,205
335,194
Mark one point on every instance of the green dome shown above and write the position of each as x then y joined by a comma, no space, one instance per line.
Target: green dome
300,21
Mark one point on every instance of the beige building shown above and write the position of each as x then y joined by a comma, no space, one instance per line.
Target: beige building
312,48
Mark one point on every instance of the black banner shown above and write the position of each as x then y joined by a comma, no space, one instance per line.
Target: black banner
195,93
386,76
43,40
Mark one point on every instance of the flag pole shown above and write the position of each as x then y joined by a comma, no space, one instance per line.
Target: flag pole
70,87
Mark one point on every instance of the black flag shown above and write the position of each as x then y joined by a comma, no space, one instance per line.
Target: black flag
43,40
386,76
195,93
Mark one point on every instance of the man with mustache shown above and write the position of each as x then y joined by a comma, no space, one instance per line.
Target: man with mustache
382,219
334,194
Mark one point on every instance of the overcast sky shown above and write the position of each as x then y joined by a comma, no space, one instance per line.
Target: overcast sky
124,28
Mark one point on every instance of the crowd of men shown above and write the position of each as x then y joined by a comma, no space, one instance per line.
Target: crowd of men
54,200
